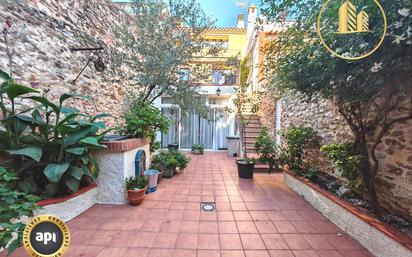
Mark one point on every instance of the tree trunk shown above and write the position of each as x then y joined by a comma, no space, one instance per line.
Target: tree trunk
367,172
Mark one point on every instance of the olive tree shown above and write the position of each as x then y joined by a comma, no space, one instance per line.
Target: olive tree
157,48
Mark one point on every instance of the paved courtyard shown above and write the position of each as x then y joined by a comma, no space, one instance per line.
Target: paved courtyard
254,218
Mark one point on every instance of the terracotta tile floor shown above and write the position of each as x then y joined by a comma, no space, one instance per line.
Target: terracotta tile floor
254,218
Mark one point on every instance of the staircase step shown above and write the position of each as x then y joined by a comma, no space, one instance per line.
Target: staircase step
253,125
249,134
252,129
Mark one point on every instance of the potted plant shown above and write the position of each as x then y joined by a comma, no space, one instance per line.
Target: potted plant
245,165
169,161
267,149
198,149
136,189
165,162
143,120
182,160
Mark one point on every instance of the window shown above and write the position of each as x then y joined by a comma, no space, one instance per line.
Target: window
218,77
223,77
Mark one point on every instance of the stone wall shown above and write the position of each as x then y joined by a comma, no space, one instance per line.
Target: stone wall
41,35
267,113
394,180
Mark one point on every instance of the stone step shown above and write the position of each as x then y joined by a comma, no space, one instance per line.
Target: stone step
253,125
252,130
252,134
250,143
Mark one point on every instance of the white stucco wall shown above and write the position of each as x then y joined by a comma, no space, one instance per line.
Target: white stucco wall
114,168
69,209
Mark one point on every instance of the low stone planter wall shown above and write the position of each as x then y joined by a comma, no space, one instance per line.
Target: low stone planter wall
116,163
70,206
380,239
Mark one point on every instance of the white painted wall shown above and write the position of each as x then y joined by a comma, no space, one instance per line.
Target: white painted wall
114,168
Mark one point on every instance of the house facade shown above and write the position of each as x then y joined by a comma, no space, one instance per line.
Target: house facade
219,88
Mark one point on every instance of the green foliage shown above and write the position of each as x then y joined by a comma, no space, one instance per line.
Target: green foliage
244,73
199,147
15,206
154,146
155,47
344,159
135,183
309,172
170,160
144,120
48,145
242,101
266,148
372,94
297,139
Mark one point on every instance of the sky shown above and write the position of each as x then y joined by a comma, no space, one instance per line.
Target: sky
225,11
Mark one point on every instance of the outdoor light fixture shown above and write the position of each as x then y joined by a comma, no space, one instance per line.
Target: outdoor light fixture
99,64
218,91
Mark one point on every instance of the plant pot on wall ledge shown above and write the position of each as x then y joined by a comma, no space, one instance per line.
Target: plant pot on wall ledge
245,168
136,196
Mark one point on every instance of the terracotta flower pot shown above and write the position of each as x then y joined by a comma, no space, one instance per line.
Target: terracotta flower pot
136,197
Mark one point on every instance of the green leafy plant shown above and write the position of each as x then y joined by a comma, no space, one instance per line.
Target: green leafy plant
199,147
297,139
48,145
170,160
372,94
135,183
144,120
15,208
344,159
309,172
266,148
242,102
154,146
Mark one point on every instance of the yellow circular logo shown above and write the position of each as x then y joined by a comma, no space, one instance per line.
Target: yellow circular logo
345,30
46,236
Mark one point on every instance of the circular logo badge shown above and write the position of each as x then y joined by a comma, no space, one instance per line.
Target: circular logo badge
46,235
352,30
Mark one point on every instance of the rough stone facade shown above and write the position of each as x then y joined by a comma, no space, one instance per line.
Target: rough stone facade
394,180
267,113
41,35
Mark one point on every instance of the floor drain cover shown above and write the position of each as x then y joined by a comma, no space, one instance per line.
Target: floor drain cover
207,206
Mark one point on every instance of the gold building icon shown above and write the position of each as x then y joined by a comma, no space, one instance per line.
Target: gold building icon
349,22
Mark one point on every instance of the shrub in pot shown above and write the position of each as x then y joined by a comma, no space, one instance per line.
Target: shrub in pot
198,149
136,189
245,165
143,120
267,149
169,161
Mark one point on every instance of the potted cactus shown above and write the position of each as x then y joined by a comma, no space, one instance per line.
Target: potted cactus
136,189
